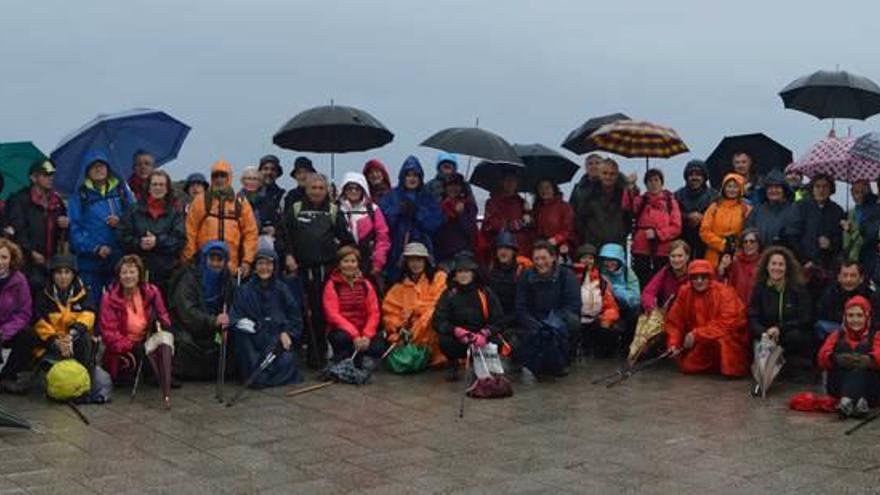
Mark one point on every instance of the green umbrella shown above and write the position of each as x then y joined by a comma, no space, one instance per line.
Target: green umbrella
15,160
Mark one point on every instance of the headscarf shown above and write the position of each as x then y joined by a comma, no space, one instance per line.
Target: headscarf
212,280
863,303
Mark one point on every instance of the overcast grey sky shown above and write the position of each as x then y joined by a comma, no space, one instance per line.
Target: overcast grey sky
531,71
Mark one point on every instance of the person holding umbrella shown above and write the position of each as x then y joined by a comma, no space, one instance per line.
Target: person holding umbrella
818,223
412,213
851,356
459,230
96,210
265,318
694,199
218,214
143,165
314,228
38,217
706,326
585,186
302,168
507,211
447,164
155,230
744,165
657,223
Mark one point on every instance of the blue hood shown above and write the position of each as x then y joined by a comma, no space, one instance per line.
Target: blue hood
215,245
410,164
91,157
613,251
447,157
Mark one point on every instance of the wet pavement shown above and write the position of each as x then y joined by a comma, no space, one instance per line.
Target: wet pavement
661,432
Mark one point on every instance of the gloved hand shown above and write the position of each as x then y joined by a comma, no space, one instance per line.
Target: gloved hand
407,208
846,360
462,335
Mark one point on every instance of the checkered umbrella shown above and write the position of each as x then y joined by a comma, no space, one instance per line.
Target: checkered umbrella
833,156
637,139
867,147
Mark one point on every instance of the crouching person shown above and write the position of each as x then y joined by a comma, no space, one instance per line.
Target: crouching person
200,304
64,323
129,312
599,313
851,356
351,307
265,318
467,313
548,306
706,325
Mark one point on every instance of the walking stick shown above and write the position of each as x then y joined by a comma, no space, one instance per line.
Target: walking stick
272,354
137,377
863,423
224,348
640,366
467,361
310,388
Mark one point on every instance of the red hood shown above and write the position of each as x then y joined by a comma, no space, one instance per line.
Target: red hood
376,164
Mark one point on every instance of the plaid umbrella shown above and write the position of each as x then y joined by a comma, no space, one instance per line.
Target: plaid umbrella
833,156
867,147
636,139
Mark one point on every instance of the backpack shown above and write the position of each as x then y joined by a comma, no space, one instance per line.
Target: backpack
334,210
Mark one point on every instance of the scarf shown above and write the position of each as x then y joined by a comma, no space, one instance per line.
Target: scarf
155,207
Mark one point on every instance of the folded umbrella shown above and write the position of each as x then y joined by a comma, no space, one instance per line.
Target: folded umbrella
473,141
767,154
15,160
638,139
833,94
766,365
160,352
120,135
542,163
578,141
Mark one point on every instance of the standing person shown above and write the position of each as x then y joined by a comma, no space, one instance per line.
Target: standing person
154,229
412,213
378,179
96,209
601,217
694,199
657,223
15,308
821,238
861,227
665,284
447,164
548,308
251,183
780,308
851,356
467,314
775,217
725,219
830,308
459,229
409,304
63,327
366,222
587,183
507,211
706,326
795,182
219,215
265,318
351,305
143,164
314,229
272,193
738,270
625,286
554,218
38,218
129,312
599,310
194,185
302,168
200,304
744,166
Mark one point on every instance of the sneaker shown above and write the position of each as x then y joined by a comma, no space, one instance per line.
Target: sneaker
526,377
845,407
862,408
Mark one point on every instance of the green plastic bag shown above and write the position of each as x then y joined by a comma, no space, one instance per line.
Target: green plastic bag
407,357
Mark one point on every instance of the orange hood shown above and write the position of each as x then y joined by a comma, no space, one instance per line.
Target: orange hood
222,165
740,181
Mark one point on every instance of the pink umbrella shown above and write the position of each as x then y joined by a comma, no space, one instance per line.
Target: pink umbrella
832,156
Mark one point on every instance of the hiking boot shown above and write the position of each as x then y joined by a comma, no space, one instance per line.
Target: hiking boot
862,408
845,407
526,377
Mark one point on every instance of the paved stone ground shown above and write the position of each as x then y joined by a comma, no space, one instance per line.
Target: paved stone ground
659,433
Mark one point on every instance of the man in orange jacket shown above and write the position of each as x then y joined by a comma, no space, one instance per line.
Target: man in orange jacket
706,325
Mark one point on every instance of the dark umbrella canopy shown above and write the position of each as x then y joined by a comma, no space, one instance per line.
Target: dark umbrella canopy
766,154
488,175
833,94
473,141
544,163
332,129
578,141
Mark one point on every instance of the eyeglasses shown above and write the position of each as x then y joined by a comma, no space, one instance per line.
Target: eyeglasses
700,276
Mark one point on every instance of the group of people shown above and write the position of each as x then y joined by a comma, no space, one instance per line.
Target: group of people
360,271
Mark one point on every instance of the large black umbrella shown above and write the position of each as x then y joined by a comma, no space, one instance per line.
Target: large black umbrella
9,420
332,129
577,140
544,163
766,154
473,141
488,175
833,94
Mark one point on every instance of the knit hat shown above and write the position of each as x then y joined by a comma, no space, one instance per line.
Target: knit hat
416,249
700,267
266,254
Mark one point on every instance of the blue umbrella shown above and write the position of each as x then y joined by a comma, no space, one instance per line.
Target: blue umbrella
120,135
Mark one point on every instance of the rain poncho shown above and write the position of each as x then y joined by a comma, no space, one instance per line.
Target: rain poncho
418,297
624,282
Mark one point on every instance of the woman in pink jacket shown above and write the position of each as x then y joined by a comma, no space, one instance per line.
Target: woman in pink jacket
657,224
367,225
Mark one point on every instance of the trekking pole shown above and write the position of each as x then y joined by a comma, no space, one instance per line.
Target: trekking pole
640,366
310,388
224,349
137,377
272,354
863,423
467,361
609,376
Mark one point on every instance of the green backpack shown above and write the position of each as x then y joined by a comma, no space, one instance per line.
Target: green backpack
408,357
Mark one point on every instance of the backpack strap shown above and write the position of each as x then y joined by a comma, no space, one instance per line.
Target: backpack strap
484,304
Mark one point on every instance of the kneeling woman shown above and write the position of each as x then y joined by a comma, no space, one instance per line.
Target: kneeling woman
352,310
466,314
129,312
851,356
265,318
